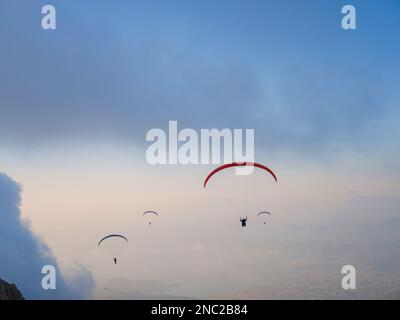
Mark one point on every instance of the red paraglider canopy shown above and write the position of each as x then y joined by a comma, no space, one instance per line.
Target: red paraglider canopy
239,164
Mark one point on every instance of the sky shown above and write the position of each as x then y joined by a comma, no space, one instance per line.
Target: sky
76,104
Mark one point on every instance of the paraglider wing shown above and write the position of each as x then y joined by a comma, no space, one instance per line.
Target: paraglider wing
239,164
150,211
263,212
111,236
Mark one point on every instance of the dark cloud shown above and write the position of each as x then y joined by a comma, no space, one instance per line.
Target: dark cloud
23,254
91,81
98,77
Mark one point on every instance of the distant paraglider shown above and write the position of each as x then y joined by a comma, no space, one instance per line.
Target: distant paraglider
239,164
243,221
112,236
263,213
150,212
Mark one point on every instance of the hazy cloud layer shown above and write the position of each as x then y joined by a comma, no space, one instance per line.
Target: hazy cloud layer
111,74
23,254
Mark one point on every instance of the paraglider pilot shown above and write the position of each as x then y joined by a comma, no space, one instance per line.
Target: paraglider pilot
243,221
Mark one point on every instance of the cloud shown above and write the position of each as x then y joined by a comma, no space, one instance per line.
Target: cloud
23,254
106,87
113,79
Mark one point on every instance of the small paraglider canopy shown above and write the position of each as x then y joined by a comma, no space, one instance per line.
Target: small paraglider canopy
263,212
112,236
150,212
240,164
